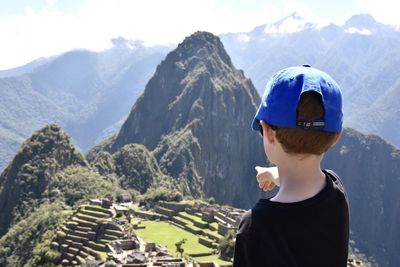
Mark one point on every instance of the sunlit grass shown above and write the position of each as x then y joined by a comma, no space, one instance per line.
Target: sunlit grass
167,234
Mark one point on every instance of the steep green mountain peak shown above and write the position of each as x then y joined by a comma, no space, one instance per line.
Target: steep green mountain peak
22,183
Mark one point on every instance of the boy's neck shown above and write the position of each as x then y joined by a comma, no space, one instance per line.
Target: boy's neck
300,178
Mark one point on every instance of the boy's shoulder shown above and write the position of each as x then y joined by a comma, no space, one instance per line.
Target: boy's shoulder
336,180
333,194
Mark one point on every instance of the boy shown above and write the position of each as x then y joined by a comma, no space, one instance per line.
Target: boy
306,223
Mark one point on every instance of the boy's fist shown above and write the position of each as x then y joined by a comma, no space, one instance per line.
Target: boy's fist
267,178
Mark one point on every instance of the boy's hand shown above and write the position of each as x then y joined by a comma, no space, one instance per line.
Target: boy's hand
267,178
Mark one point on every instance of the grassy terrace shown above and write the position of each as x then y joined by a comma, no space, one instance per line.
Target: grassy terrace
193,217
135,208
80,226
213,258
198,219
188,223
213,233
214,224
167,234
95,207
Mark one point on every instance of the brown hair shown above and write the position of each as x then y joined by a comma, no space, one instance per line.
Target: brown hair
304,141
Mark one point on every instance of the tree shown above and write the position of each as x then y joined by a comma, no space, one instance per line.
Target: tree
227,245
179,248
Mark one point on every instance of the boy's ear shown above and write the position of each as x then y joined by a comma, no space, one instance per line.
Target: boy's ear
268,132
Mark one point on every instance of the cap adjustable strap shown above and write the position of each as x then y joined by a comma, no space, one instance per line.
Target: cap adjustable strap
311,124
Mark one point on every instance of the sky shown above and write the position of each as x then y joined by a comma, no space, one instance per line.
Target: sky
31,29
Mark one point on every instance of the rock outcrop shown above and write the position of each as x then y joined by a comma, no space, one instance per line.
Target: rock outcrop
22,183
195,114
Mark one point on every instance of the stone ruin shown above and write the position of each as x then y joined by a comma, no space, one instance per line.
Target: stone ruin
94,229
228,218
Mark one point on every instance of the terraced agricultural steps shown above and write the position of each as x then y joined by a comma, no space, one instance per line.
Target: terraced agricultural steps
85,234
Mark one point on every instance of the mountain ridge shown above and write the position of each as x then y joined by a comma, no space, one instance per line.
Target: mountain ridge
25,179
346,52
77,90
361,55
194,89
199,142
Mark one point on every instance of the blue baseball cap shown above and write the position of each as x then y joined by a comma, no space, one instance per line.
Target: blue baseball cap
282,95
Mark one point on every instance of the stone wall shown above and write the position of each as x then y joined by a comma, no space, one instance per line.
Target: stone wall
201,225
223,229
206,242
177,221
145,215
175,206
207,216
165,211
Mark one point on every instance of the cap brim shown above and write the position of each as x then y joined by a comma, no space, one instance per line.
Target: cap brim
254,125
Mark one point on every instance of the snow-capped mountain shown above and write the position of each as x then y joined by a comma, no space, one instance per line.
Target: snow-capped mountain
290,24
363,55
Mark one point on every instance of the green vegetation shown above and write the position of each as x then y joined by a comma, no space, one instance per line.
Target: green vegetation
176,153
167,234
93,229
103,146
27,243
47,169
227,246
40,157
213,233
192,217
179,248
137,168
76,184
154,195
135,208
212,258
104,163
189,224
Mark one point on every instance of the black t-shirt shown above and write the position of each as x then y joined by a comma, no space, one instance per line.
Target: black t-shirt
312,232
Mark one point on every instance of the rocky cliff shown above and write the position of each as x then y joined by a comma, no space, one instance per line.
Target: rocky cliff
195,114
23,182
370,169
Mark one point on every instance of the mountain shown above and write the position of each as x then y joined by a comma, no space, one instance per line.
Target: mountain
192,115
25,179
188,132
370,167
290,24
49,178
362,56
45,180
77,90
18,71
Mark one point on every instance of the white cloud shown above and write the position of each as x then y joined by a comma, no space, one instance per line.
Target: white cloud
292,6
243,38
49,31
353,30
289,25
385,11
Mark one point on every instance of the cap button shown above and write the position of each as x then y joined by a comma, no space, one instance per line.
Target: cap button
306,65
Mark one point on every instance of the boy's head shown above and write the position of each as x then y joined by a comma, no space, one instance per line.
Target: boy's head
303,106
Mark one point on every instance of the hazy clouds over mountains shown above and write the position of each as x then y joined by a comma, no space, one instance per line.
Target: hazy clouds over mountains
362,55
90,93
188,132
87,93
